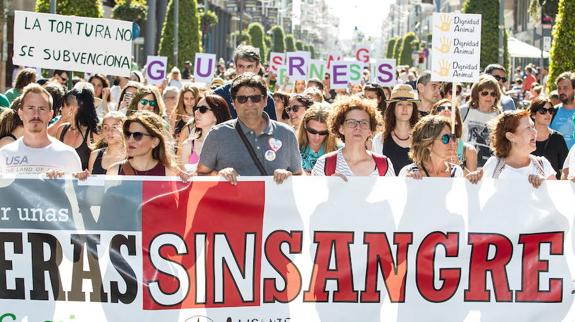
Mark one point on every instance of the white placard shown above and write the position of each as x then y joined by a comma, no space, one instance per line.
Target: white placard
276,60
204,67
298,65
156,69
72,43
384,72
456,47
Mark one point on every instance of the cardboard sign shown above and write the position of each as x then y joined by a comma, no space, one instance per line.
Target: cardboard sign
72,43
456,47
340,75
317,69
356,72
276,60
204,67
362,55
156,69
384,72
331,58
298,64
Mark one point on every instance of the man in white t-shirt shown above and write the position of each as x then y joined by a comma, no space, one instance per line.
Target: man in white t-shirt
36,152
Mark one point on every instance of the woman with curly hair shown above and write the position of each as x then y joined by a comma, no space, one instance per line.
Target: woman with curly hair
314,138
353,120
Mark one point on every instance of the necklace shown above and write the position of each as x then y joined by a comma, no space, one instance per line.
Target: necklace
401,139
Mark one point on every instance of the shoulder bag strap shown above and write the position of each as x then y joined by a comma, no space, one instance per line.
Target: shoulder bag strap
498,168
250,149
381,164
330,164
127,169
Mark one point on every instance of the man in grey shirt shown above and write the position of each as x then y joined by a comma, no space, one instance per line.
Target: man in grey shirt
274,144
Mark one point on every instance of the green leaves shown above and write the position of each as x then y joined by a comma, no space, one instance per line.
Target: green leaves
561,56
81,8
189,40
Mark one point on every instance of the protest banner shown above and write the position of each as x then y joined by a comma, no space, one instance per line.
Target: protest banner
457,47
298,65
317,69
156,69
370,249
204,67
384,72
276,60
72,43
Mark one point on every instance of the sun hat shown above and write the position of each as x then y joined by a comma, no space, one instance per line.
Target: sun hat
403,92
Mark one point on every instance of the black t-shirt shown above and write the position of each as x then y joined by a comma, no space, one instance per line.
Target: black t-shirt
553,149
398,155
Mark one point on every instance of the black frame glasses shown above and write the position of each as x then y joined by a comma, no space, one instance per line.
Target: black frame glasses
485,93
293,108
542,110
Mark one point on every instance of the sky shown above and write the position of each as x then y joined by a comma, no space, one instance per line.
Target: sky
367,15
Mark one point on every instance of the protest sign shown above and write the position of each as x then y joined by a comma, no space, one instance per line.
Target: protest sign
204,67
355,72
156,69
317,69
456,47
384,72
362,55
298,65
340,75
371,249
72,43
331,58
276,60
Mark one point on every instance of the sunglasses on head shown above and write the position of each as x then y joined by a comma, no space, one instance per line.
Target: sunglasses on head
136,135
486,93
254,98
145,102
314,131
446,138
293,108
202,108
499,78
442,108
542,110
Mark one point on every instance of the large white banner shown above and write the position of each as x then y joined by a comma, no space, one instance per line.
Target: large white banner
72,43
311,249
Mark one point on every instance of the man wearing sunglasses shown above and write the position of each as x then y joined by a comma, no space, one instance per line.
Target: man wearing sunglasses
252,144
246,60
500,74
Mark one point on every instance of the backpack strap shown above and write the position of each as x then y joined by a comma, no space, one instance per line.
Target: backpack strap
381,164
330,163
466,113
498,168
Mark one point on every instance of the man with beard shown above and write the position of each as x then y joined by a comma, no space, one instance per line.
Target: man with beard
563,121
36,152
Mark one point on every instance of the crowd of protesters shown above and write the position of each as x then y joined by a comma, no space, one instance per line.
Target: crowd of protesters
245,124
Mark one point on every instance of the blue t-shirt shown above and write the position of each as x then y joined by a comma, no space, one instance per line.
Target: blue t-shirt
563,123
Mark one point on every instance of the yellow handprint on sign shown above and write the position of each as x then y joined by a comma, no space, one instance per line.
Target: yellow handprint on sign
444,48
445,23
443,68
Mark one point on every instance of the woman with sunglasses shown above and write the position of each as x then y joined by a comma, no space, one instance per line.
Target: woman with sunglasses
353,120
550,144
513,139
148,149
465,155
110,148
432,149
211,110
313,137
399,119
483,106
148,98
281,101
298,104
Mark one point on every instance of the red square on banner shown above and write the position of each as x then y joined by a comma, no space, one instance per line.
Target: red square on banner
202,244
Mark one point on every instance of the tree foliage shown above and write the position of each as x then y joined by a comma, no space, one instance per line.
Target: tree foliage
278,39
81,8
561,56
299,45
189,39
390,47
489,10
290,43
130,11
241,38
397,49
257,36
312,51
408,45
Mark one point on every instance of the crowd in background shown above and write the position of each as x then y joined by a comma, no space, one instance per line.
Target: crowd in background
245,122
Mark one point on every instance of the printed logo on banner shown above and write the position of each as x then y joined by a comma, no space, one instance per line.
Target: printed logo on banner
206,255
156,68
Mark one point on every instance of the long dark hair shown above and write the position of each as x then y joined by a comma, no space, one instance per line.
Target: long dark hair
219,107
86,113
390,122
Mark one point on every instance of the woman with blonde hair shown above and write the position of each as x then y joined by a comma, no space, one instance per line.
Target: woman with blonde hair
484,105
513,139
149,150
313,136
189,97
110,148
432,148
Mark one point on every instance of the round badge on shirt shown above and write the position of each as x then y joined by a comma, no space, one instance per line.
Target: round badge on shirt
270,155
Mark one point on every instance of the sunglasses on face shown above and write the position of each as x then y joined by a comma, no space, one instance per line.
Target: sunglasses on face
500,79
543,110
203,109
442,108
293,108
136,135
314,131
486,93
254,98
446,138
145,102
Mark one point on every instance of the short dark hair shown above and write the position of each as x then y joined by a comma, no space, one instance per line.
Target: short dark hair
57,92
248,80
59,72
493,67
248,53
424,78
